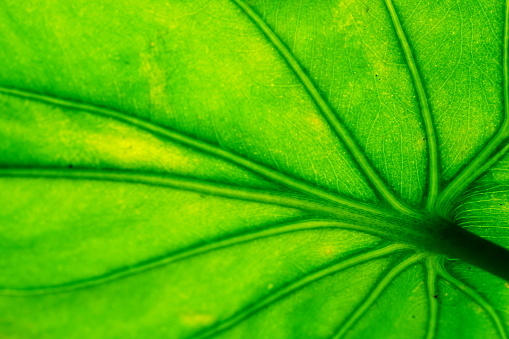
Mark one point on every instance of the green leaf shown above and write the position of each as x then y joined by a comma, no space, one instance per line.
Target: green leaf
254,169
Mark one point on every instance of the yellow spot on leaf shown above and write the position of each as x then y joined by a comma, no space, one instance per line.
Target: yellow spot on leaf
328,250
197,319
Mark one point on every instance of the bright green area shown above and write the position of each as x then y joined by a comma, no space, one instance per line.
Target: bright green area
254,169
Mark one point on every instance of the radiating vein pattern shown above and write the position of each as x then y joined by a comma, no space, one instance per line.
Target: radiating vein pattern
322,107
338,127
293,287
194,143
379,222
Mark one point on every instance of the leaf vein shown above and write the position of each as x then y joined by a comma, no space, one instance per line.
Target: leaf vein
374,294
179,182
157,262
199,145
433,170
343,134
293,287
477,298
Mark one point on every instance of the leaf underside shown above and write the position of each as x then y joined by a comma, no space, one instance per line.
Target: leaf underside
253,169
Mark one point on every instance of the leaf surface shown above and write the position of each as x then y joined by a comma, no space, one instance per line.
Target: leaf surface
233,169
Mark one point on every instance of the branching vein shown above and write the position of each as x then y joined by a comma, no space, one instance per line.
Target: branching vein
477,298
295,286
374,294
343,133
433,170
166,133
489,154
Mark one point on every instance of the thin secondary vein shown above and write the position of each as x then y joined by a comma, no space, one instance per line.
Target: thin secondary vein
477,298
293,287
343,134
431,140
179,182
153,263
471,171
199,145
375,293
379,222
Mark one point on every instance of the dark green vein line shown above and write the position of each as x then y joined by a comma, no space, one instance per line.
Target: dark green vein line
432,298
374,294
343,134
153,263
471,172
477,298
167,133
393,226
293,287
194,185
433,169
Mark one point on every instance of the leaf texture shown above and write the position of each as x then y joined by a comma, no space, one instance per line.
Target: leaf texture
254,169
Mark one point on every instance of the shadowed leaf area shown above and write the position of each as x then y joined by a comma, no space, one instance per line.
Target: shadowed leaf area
254,169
